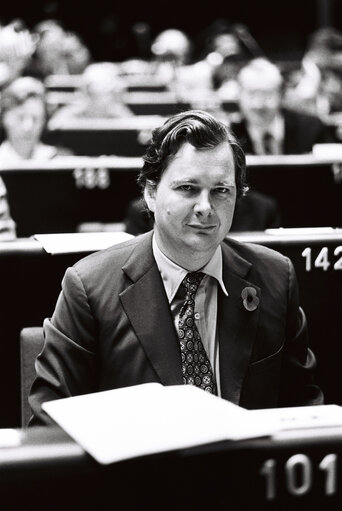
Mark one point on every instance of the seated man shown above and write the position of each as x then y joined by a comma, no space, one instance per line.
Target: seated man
100,96
265,127
182,304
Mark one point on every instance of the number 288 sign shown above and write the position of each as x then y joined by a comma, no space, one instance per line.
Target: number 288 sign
324,260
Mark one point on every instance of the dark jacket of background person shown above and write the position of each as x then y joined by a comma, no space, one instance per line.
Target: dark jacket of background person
301,132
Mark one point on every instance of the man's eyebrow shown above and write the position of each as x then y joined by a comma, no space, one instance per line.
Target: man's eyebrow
224,183
184,180
192,180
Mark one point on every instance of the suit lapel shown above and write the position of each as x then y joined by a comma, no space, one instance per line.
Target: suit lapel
146,305
236,325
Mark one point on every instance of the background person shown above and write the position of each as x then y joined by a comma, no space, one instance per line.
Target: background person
265,126
23,118
100,96
57,52
182,303
17,46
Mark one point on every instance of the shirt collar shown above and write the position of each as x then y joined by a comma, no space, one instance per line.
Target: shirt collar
172,274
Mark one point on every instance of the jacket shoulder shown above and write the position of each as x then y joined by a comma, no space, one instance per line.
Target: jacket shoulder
257,254
107,260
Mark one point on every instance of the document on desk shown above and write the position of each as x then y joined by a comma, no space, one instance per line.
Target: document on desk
64,243
302,421
145,419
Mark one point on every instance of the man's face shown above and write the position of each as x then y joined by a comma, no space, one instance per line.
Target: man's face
260,100
194,203
25,122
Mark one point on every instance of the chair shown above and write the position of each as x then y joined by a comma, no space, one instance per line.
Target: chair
31,344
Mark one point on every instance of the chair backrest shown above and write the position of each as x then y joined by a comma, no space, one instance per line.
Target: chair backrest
31,344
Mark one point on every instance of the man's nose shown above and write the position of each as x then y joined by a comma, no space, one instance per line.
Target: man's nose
203,204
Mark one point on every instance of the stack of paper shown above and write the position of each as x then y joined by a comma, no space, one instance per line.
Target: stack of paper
134,421
145,419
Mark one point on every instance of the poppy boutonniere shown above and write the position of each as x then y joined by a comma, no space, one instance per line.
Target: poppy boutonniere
250,299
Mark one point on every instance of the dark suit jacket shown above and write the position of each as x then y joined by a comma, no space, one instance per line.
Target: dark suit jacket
112,327
253,212
302,131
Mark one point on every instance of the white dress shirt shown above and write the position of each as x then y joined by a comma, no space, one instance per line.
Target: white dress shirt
205,300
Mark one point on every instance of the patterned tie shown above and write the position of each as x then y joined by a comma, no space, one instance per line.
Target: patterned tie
196,365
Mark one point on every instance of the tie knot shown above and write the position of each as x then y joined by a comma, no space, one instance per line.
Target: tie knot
191,282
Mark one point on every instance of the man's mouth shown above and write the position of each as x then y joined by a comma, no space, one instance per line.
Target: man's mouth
203,227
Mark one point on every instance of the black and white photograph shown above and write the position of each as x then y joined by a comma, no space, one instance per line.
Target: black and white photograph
171,255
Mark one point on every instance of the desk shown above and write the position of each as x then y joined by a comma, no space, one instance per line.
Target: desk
97,137
49,471
58,196
134,82
30,283
317,260
156,103
306,188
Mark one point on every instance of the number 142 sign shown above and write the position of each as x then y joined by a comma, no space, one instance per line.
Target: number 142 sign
323,260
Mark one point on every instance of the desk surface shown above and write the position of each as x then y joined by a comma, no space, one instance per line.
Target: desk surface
299,473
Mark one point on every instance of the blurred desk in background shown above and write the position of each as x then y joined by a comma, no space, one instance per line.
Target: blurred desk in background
59,195
97,137
135,82
308,189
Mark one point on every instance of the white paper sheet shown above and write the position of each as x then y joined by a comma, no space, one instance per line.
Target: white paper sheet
80,242
302,421
10,437
150,418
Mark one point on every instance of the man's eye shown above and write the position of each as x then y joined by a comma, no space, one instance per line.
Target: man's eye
185,188
222,190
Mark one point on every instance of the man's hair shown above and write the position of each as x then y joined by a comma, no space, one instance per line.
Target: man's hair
102,73
260,67
197,128
19,91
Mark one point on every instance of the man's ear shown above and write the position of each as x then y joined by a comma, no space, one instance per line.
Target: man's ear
150,195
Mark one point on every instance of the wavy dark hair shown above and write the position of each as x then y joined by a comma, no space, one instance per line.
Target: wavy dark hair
201,130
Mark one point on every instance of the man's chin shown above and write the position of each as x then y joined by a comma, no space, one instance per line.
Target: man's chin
202,240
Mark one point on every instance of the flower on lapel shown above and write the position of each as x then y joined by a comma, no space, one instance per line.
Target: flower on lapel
250,298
